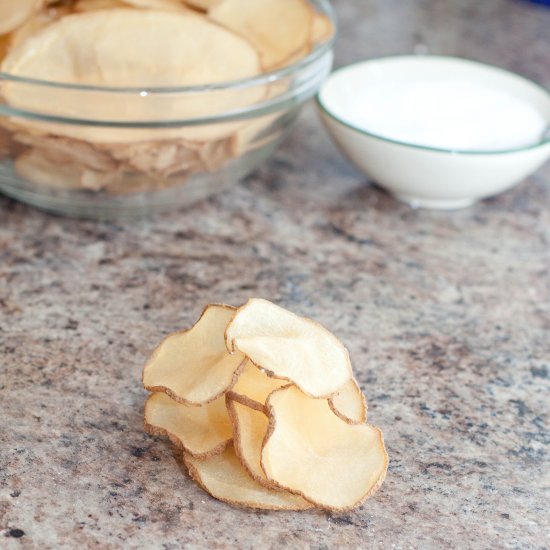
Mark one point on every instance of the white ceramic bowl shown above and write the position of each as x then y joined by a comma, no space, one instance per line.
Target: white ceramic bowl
425,176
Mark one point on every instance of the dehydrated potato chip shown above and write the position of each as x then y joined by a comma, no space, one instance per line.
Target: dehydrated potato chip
310,450
158,158
224,478
250,427
255,384
15,12
321,28
193,366
36,23
349,403
93,5
176,5
277,28
202,4
54,171
160,48
289,347
201,431
68,151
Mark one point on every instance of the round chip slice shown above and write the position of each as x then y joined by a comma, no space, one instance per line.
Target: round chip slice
15,12
55,171
35,23
139,49
223,477
309,450
277,28
193,366
289,347
201,431
321,28
250,427
255,384
349,403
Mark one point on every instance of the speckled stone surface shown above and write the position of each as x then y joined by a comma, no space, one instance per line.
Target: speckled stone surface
446,315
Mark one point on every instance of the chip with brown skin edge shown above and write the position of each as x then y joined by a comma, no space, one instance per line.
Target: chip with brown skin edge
200,431
193,366
310,451
224,478
289,347
349,403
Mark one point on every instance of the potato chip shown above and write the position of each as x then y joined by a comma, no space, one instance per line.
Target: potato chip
37,22
289,347
255,384
154,48
349,403
175,5
250,427
93,5
193,366
68,151
4,46
203,5
321,28
278,29
137,182
15,12
201,431
224,477
158,158
309,450
53,170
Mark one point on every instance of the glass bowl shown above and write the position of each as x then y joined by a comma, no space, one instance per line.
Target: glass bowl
82,152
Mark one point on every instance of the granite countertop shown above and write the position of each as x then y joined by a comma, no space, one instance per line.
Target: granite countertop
446,316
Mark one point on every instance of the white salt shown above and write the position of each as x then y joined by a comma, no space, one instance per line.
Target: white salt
458,115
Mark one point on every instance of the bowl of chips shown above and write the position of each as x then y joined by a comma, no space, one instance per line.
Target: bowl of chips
121,108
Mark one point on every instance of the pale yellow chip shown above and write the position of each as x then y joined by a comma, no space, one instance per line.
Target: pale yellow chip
53,170
310,450
224,477
321,28
193,366
250,427
133,48
255,384
35,23
277,28
289,347
201,431
15,12
349,403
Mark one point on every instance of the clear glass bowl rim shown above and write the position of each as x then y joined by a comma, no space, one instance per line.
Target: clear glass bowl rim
545,138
